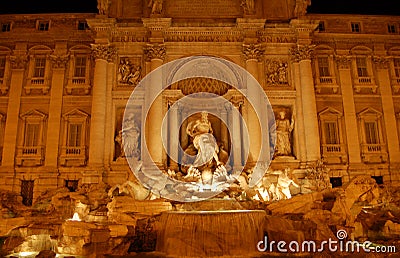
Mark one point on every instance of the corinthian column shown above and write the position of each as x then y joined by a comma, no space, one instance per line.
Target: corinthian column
155,54
252,54
302,55
102,55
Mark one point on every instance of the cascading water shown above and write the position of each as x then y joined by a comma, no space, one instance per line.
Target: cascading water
210,233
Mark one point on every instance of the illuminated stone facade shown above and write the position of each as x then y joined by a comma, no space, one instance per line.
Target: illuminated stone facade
65,80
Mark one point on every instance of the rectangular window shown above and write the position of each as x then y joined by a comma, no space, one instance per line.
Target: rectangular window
321,26
323,66
331,133
43,25
80,66
6,27
32,135
362,67
371,133
40,65
2,67
392,28
396,62
74,135
82,25
355,27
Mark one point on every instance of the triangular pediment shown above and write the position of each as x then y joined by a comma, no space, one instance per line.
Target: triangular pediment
329,111
369,112
34,113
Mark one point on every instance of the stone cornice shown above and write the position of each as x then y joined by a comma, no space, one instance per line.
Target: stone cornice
157,24
250,24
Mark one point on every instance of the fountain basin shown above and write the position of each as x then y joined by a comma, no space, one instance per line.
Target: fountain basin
210,233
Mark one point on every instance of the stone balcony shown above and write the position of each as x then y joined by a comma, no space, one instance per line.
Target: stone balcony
334,153
40,84
29,156
77,84
366,84
374,153
326,84
73,156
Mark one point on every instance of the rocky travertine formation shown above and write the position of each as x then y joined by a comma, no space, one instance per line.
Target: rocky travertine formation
96,220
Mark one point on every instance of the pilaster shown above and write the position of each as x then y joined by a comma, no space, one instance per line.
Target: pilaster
59,61
349,110
389,116
18,66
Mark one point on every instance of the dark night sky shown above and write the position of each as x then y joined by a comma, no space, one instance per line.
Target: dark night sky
391,7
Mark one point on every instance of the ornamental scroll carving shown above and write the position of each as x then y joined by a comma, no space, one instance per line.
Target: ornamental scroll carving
59,61
155,51
253,51
276,72
301,52
18,61
105,52
381,62
343,62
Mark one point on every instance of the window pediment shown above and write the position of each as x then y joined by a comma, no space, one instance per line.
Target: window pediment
330,112
370,112
33,115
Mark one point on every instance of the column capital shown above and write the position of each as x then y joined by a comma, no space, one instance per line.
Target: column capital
343,62
253,51
301,52
104,51
155,51
18,61
59,61
381,62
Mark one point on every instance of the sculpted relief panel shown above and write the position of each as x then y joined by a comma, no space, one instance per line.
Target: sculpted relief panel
129,72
